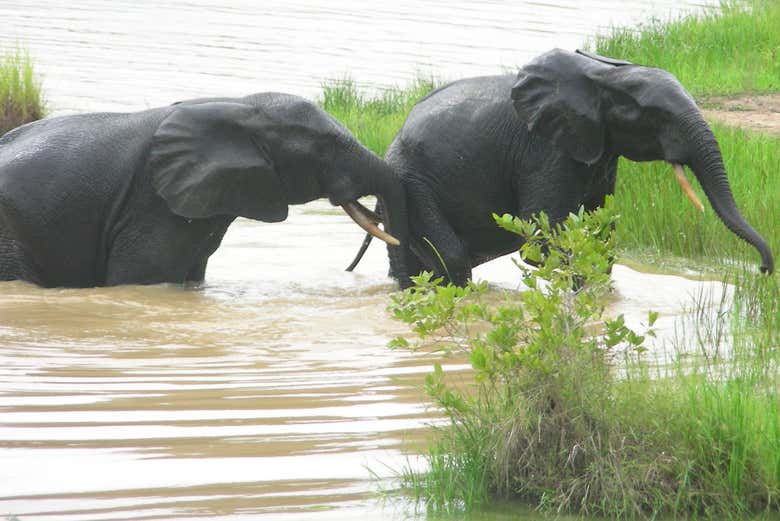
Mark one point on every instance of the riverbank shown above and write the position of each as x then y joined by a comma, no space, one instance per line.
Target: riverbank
755,112
567,421
629,438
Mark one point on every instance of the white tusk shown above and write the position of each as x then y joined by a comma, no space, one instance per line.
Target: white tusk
352,209
686,187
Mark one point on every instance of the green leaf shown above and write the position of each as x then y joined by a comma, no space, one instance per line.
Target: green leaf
478,359
398,342
652,316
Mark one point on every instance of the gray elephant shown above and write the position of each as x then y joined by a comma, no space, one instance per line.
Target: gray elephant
107,199
548,139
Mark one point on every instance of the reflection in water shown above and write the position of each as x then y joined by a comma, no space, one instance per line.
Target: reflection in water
268,389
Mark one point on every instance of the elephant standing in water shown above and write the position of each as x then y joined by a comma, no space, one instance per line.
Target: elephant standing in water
107,199
546,140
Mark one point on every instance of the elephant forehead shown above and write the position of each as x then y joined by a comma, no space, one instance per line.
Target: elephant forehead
650,87
290,110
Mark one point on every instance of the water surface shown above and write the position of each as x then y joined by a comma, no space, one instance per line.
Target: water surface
133,54
268,390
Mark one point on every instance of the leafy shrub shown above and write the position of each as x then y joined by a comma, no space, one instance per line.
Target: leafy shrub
550,420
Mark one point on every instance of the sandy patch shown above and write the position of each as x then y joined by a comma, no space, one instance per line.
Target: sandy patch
760,113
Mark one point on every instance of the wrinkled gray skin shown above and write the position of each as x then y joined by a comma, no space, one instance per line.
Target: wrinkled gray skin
548,139
142,198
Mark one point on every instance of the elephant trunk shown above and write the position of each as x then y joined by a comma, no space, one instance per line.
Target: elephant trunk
706,162
392,204
370,174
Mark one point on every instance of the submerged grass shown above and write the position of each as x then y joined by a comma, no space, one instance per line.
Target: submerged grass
20,93
726,398
732,49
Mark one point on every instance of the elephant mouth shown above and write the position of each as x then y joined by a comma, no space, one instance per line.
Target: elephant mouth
686,187
368,220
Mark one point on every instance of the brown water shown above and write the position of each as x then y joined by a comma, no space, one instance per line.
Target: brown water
268,392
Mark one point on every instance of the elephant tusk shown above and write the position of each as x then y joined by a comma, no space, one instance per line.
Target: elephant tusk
686,187
366,221
371,215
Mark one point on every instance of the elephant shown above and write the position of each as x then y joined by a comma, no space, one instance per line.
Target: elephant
104,199
547,139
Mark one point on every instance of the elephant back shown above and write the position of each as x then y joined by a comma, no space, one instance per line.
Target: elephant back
63,182
483,101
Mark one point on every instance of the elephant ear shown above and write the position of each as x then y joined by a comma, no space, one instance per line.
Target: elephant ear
557,95
208,159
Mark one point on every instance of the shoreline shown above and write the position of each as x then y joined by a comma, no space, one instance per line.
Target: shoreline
754,112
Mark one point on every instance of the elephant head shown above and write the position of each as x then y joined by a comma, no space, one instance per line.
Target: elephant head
254,156
590,107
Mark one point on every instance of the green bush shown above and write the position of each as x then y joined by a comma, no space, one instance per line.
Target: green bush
20,96
563,412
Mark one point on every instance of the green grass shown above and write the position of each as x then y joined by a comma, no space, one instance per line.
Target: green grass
373,120
731,50
20,94
726,405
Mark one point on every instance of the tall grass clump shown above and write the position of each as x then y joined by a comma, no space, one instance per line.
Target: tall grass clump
732,392
374,120
20,91
732,49
661,221
564,414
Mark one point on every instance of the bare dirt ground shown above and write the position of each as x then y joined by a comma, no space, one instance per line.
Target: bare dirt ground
760,112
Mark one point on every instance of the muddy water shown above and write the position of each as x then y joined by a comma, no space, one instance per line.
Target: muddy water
268,391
